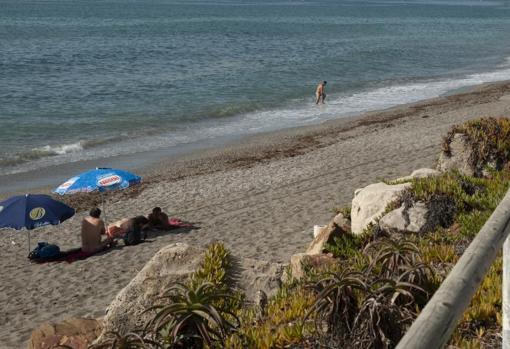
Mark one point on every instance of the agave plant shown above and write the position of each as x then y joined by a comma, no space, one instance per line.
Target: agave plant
114,340
336,304
190,318
384,314
393,257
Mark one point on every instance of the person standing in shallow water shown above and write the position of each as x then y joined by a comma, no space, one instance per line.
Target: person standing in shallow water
320,92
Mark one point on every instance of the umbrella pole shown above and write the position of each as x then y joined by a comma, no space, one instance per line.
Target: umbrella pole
28,233
104,211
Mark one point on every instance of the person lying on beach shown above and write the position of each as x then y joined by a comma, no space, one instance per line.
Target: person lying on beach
122,227
92,227
158,219
320,92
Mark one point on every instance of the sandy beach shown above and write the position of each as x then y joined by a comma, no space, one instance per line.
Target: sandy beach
261,197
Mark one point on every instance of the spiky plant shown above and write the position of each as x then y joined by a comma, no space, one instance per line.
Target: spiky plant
391,257
384,314
190,318
115,340
336,304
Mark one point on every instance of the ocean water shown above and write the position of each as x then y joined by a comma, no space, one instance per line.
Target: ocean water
83,79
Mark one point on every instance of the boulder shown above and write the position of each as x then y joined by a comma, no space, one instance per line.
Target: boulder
173,263
458,156
369,203
420,173
301,262
253,275
75,333
394,221
337,227
407,220
420,217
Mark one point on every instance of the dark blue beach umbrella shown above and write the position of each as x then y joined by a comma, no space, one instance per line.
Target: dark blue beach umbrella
31,211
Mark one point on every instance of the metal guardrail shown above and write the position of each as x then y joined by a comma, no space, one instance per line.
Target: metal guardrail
435,324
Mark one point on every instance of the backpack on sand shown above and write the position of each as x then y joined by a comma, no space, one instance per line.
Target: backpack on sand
133,236
44,251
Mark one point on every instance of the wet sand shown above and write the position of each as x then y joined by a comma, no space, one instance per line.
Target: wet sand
260,196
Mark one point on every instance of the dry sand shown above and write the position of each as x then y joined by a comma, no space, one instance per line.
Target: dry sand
261,197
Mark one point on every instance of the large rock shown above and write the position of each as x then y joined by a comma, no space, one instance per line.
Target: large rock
337,227
420,217
173,263
420,173
406,220
75,333
256,275
369,203
458,156
301,262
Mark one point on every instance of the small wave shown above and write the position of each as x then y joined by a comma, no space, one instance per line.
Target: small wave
53,150
49,150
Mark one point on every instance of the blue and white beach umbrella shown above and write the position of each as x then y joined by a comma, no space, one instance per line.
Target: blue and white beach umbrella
31,211
100,179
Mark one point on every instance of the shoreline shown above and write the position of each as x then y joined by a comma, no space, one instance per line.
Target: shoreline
239,150
260,196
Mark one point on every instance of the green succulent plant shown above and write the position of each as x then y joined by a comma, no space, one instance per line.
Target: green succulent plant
391,257
336,303
189,318
384,314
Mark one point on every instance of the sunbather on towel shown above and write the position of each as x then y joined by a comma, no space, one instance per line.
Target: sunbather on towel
158,219
91,229
120,228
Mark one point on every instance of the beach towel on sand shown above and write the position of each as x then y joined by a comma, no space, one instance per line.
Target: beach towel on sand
177,223
69,256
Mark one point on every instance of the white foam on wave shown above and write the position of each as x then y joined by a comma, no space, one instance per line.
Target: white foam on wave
61,149
299,113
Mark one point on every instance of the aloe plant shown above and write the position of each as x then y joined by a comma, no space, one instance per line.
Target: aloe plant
391,257
336,304
386,311
189,318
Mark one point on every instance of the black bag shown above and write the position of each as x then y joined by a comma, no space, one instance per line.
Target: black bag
44,251
133,236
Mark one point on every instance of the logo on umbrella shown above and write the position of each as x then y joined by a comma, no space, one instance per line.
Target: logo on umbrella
67,184
109,180
1,208
37,213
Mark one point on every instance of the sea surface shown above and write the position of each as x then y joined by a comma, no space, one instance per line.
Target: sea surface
85,79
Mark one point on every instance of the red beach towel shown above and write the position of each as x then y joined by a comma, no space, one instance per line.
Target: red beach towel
69,256
177,223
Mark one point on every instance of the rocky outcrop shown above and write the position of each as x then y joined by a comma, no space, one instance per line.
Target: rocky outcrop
420,173
420,217
457,156
254,275
337,227
175,263
406,220
369,203
74,333
301,262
